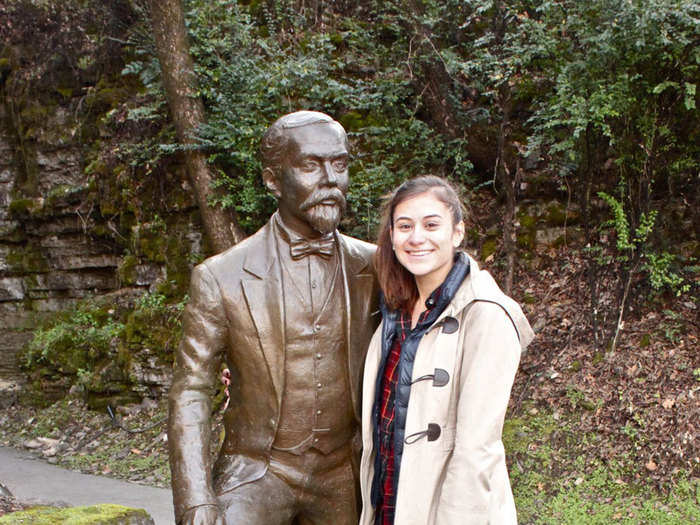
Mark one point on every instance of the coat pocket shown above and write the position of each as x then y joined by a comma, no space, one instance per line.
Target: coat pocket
233,470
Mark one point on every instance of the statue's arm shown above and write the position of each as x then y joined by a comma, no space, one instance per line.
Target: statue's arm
197,362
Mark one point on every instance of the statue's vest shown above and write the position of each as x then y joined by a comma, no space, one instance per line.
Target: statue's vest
316,407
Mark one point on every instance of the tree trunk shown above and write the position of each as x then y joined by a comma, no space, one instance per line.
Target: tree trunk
507,181
187,110
503,174
592,274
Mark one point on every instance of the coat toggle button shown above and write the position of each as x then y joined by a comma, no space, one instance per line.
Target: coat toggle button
432,432
450,325
440,377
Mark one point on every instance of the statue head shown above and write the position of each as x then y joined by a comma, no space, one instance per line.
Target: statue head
305,165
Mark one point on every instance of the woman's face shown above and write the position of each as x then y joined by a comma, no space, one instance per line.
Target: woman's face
424,238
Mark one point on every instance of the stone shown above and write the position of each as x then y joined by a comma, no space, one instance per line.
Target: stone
10,344
72,280
49,452
32,444
83,262
47,442
148,273
549,236
11,289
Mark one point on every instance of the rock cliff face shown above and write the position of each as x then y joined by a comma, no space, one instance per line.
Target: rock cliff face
77,220
57,248
46,259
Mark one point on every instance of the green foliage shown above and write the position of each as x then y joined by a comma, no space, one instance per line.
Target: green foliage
75,340
621,81
93,345
253,69
634,243
589,86
661,275
155,324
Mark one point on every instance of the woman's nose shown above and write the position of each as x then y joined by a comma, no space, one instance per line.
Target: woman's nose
417,236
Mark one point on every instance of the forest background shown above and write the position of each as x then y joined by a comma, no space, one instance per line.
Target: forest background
570,127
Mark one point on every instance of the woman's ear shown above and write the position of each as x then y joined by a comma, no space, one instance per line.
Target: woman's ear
270,180
458,234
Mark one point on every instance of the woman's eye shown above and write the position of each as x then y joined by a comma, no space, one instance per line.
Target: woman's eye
404,227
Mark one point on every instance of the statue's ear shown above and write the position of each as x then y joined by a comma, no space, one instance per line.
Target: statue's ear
270,180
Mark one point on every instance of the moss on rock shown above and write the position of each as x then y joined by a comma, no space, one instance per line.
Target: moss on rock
127,270
26,259
23,208
488,248
103,514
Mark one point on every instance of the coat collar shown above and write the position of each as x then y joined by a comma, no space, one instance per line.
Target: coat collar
259,260
353,261
479,285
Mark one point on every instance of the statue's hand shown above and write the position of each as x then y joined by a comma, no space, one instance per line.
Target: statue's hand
204,515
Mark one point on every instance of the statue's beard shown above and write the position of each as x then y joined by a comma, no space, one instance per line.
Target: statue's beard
322,216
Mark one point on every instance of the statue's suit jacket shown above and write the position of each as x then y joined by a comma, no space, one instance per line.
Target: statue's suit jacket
236,312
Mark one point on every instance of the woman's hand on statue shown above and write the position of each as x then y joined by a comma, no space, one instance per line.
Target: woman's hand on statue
203,515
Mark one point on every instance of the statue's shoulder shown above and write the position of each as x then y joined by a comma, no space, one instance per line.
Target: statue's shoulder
362,248
231,261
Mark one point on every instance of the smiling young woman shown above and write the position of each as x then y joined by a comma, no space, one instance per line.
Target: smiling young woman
438,371
424,237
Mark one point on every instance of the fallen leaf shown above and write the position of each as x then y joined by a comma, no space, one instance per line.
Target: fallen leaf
136,451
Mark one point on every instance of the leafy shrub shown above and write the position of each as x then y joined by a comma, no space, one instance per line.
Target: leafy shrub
96,343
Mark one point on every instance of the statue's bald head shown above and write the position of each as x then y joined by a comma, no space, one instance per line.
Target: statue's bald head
275,143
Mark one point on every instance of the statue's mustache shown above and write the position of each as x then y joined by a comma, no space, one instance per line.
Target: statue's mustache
324,195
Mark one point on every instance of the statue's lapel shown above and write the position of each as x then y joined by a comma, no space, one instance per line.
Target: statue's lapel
358,281
263,292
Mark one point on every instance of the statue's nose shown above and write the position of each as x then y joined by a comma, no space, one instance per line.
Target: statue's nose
329,171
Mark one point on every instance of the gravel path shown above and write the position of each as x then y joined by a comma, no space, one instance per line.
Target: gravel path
32,480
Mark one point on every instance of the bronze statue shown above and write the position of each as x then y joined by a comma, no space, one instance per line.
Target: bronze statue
289,310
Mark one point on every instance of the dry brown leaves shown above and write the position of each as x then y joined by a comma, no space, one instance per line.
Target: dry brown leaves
643,399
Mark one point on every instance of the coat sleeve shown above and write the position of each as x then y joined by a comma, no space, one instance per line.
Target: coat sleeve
476,486
197,362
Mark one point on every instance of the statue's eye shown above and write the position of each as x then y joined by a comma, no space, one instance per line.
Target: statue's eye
340,164
309,165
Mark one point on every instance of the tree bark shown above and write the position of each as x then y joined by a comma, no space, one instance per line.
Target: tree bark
508,182
503,173
187,110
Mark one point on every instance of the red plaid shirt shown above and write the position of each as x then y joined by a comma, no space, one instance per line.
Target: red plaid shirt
387,507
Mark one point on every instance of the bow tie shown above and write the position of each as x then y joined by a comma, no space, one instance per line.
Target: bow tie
301,248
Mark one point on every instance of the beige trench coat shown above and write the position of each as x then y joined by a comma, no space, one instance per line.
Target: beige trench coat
461,477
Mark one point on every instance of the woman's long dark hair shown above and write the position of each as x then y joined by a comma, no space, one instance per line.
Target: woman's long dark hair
397,283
